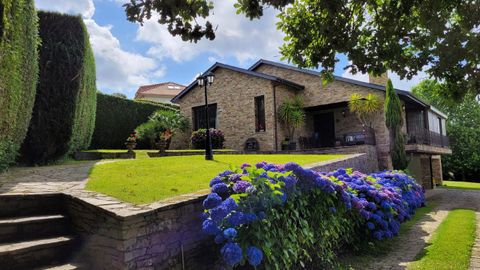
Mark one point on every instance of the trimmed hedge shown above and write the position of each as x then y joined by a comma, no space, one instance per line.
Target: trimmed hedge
18,74
117,118
64,112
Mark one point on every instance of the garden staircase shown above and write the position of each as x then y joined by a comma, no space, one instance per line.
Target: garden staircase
35,233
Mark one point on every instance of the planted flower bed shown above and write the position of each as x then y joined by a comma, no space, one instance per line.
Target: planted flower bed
282,216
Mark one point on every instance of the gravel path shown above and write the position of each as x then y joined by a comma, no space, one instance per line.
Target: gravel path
412,243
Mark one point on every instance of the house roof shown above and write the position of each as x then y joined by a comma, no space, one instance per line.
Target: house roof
241,70
160,89
402,93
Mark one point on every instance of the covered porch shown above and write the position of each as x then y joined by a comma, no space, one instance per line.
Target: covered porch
333,125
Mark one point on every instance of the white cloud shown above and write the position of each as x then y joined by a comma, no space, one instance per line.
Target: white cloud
117,70
236,36
85,8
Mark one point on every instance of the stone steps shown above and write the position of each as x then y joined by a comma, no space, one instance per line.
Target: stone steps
34,232
30,205
28,254
33,227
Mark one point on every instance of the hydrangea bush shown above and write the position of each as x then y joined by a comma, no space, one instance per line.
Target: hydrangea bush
282,216
198,138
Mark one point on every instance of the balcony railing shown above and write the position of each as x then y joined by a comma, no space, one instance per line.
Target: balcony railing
428,137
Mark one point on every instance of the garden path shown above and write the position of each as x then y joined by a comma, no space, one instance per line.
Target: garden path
412,243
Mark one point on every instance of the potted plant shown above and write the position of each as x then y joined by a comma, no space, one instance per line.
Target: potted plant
131,142
292,116
160,128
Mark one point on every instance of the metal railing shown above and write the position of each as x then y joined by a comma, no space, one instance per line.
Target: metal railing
366,136
428,137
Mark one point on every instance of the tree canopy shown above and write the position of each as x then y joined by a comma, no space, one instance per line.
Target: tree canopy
441,37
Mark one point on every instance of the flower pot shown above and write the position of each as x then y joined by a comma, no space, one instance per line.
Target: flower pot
130,146
161,146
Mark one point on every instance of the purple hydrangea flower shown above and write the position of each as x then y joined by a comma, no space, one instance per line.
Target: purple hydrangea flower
235,177
241,186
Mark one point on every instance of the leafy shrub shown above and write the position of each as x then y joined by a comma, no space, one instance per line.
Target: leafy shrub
282,216
162,125
200,136
64,112
18,74
116,118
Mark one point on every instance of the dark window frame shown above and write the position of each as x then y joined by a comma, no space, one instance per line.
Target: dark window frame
198,116
260,120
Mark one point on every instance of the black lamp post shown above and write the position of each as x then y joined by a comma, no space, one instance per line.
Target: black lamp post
203,80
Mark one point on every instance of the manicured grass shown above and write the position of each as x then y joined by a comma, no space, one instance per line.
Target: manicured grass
146,180
451,244
370,252
461,185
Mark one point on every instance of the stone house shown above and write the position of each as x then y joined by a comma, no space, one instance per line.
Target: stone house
243,103
160,92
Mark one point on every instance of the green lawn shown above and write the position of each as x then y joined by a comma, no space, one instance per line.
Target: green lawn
461,185
146,180
372,251
143,153
451,244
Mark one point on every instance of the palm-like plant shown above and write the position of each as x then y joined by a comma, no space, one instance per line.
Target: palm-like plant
162,125
365,108
291,115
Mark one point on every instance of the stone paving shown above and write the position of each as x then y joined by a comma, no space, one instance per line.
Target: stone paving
71,179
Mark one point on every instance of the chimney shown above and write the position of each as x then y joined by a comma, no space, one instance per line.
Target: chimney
380,80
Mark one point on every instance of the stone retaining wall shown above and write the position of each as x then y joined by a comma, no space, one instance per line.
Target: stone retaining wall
167,235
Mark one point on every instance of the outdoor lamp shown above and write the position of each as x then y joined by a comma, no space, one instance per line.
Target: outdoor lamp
210,77
200,80
203,81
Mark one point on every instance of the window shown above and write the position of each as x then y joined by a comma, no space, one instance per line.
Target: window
259,113
199,120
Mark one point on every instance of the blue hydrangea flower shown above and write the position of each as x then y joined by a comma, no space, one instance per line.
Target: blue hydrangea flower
225,173
210,227
215,180
212,201
370,226
232,253
254,256
230,234
220,188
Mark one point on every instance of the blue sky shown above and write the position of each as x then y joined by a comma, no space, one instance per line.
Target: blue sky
129,55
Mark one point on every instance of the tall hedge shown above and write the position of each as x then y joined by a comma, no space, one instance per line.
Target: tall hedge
18,74
64,113
117,118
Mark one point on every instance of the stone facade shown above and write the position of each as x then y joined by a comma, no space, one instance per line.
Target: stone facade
234,94
316,94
